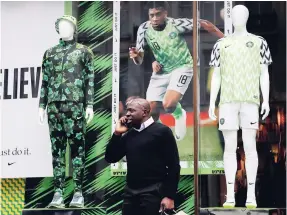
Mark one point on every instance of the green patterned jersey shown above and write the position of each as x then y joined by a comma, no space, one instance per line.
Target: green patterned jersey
68,74
168,46
240,59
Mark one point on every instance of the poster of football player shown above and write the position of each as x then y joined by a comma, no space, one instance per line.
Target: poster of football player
153,60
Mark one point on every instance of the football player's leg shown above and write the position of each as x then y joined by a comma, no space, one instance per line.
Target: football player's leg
155,110
179,82
155,93
229,125
249,117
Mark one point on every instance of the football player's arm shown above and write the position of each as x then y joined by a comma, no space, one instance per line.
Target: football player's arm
45,82
140,45
186,25
210,27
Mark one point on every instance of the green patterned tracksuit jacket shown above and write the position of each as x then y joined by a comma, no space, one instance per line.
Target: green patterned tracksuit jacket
67,88
67,74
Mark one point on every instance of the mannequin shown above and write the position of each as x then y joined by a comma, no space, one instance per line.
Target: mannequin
249,56
67,92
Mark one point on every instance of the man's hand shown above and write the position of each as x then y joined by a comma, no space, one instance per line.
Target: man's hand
120,127
211,28
156,67
265,109
166,203
134,53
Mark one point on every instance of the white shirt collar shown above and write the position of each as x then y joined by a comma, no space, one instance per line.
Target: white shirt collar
145,124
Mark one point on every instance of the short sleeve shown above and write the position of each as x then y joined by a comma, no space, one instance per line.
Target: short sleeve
265,54
141,42
215,55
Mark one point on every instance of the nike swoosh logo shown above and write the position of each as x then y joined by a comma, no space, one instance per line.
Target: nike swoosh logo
230,183
79,117
252,123
227,46
9,164
179,85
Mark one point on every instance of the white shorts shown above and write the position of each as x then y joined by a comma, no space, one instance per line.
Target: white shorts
235,115
178,80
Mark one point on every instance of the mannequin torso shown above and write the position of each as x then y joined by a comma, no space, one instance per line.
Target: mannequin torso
240,16
67,72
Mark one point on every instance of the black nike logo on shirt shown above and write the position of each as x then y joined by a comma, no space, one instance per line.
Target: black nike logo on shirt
9,164
227,46
252,123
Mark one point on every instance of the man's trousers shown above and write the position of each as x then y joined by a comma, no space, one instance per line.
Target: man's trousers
67,125
144,201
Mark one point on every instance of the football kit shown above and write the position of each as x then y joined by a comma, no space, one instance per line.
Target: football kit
240,59
171,51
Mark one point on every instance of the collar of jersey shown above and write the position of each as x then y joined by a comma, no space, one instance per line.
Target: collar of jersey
66,43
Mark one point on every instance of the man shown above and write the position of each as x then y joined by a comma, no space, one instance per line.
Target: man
152,160
173,68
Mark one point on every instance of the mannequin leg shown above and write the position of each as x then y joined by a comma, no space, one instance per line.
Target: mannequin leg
75,130
249,117
229,158
251,163
58,141
229,125
57,136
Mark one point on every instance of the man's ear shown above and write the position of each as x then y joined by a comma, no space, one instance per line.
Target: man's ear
145,113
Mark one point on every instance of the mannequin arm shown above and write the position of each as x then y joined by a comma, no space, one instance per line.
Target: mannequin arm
45,81
89,79
265,86
264,83
215,86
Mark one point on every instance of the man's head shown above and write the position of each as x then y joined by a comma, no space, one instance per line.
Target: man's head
157,11
138,111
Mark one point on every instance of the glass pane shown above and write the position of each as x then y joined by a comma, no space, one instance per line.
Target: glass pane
267,20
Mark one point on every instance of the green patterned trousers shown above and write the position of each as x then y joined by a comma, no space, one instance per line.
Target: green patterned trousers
67,126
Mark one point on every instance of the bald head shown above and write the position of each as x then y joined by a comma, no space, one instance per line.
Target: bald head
142,103
138,111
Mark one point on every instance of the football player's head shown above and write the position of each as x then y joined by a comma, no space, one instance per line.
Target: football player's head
157,11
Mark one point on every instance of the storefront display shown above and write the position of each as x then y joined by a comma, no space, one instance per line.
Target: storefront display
105,53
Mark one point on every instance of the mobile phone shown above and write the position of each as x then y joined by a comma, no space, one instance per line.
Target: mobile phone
128,125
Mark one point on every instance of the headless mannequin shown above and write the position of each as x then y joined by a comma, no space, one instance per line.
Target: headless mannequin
240,16
66,31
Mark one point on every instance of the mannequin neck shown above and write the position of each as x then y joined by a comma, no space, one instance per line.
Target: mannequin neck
67,42
68,39
240,31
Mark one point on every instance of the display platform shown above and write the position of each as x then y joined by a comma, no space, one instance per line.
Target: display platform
242,211
65,211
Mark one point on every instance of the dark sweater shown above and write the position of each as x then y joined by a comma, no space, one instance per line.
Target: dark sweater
152,157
